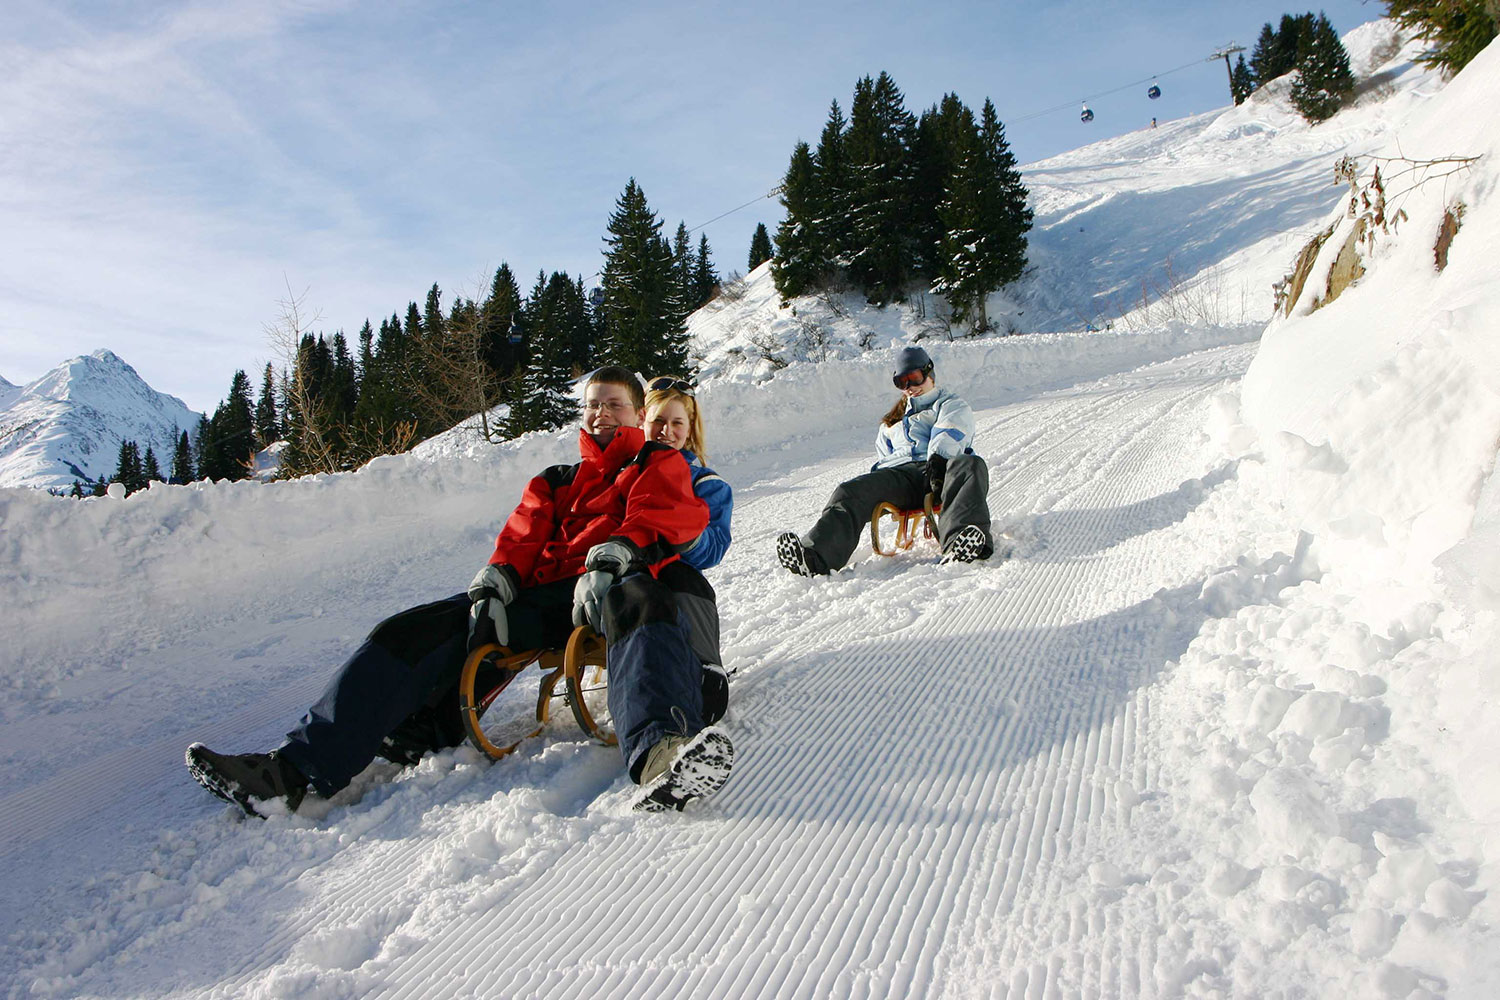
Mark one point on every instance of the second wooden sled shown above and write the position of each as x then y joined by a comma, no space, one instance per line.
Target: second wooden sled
579,666
906,525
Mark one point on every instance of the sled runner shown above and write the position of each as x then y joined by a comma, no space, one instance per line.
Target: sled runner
906,525
579,666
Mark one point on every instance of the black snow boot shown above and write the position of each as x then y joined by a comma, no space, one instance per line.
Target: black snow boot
967,545
797,557
247,778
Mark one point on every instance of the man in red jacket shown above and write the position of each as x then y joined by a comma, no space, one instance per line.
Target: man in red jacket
584,545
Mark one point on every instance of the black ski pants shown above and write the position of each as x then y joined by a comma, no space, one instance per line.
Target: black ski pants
397,695
847,514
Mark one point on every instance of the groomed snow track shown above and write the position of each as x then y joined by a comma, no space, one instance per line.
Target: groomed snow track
932,762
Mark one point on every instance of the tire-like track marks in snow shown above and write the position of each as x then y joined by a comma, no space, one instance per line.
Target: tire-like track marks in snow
934,765
912,807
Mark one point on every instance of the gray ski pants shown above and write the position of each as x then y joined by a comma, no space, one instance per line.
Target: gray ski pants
847,513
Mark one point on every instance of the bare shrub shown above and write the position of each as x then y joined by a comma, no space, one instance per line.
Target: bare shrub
767,347
732,288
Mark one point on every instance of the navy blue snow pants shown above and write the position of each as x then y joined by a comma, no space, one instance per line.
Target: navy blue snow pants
397,696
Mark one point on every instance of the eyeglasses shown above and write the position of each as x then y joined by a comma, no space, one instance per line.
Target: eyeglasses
667,382
612,405
913,378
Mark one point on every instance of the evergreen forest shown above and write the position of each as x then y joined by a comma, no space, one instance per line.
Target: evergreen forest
889,203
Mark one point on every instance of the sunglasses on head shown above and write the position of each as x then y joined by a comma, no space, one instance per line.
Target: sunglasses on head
666,382
913,378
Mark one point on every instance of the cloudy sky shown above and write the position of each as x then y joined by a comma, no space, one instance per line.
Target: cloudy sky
170,172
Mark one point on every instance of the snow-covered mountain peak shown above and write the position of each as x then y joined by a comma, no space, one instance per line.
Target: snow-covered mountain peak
77,378
68,424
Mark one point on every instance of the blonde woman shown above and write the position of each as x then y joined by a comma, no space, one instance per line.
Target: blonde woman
674,418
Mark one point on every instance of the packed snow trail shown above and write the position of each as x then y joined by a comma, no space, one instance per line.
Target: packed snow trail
930,758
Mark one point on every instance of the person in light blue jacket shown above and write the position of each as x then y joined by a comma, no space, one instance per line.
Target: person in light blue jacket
673,418
923,445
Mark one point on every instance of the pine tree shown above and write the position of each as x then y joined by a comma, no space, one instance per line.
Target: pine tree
500,337
1012,213
1324,81
182,461
942,132
233,432
1241,82
432,314
1290,41
150,470
760,246
705,279
203,447
558,312
385,398
77,491
643,308
588,331
343,383
985,217
682,267
799,264
366,356
1457,29
267,424
832,205
554,313
879,146
128,472
1263,56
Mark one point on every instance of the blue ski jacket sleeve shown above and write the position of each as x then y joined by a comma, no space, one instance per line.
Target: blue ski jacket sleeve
938,423
709,548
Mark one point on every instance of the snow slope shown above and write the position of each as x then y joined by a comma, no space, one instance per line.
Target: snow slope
1189,222
1217,728
68,425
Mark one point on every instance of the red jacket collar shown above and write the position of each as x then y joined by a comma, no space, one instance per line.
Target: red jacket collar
624,446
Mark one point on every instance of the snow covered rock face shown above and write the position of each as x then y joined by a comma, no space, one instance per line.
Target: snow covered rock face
68,424
1344,731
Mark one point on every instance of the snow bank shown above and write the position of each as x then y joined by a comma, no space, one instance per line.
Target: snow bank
1346,727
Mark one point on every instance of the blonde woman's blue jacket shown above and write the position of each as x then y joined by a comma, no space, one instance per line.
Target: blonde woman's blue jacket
714,542
935,423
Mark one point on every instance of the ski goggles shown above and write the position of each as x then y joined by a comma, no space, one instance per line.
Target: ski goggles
913,378
667,382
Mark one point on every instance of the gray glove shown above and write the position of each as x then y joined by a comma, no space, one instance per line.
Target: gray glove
606,563
493,588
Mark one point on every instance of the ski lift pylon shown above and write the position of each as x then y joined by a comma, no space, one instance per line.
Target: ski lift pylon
1153,91
1087,115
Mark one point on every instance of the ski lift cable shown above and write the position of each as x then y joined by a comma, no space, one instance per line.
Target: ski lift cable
769,194
1104,93
1023,118
724,215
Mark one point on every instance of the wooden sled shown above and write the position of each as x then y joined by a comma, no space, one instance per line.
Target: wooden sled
906,525
579,666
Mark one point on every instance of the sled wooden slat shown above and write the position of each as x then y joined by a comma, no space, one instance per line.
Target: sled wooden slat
906,525
585,684
580,666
